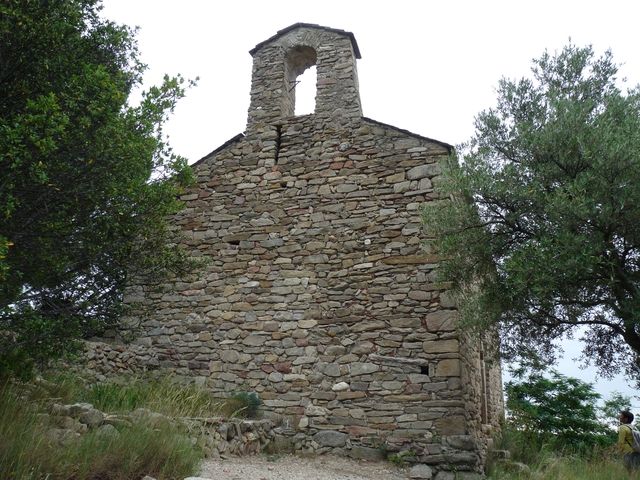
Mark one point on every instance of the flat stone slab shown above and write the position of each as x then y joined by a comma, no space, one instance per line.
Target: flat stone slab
330,438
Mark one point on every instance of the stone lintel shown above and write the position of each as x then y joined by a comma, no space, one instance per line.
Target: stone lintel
384,359
411,259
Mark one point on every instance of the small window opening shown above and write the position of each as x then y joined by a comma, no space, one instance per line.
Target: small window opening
424,369
306,92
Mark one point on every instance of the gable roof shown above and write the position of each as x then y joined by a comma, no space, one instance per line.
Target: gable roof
284,31
449,148
221,147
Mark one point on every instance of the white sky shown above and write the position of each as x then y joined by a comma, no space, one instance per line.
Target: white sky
427,66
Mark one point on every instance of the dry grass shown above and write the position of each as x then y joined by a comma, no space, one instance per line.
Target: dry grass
566,468
26,453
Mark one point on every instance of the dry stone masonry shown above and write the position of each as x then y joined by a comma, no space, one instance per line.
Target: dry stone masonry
316,291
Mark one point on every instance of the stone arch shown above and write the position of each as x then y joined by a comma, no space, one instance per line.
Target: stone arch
298,59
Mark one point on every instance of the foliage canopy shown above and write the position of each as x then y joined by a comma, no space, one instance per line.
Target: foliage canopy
542,233
87,179
554,407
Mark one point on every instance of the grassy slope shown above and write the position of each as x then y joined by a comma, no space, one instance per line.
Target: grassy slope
160,450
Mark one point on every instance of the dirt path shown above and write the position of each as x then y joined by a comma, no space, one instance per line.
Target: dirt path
288,467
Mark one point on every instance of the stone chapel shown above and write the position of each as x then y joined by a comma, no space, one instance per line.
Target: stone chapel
315,291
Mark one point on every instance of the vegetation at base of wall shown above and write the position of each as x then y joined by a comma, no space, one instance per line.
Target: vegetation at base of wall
554,461
242,405
402,458
531,449
162,395
556,430
553,467
27,452
122,394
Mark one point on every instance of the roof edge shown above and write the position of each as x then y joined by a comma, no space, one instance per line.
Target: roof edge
450,148
356,49
221,147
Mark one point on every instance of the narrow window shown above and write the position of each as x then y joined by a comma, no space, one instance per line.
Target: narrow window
301,80
306,92
484,392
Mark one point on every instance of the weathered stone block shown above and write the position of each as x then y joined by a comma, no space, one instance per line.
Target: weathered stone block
405,322
283,367
392,385
307,323
350,395
340,387
421,471
410,259
442,321
461,442
254,340
419,295
441,346
366,453
92,418
315,411
332,370
363,368
451,425
448,368
330,438
229,356
362,348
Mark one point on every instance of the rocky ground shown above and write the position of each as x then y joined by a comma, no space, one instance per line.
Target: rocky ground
289,467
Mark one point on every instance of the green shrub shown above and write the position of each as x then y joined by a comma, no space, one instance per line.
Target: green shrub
242,404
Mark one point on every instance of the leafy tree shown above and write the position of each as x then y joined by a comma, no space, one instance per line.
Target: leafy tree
542,233
612,407
86,179
555,410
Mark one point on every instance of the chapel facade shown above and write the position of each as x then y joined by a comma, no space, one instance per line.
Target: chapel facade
315,290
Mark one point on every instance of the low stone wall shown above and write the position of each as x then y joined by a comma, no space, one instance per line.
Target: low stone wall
220,437
217,436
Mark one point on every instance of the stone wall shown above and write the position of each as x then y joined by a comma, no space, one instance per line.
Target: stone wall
316,291
482,391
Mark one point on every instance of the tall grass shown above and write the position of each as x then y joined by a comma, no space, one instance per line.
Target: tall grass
547,459
21,440
551,466
125,394
161,449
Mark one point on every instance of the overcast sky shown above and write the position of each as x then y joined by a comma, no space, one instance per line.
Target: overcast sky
427,66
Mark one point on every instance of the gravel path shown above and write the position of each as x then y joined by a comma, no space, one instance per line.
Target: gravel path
289,467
